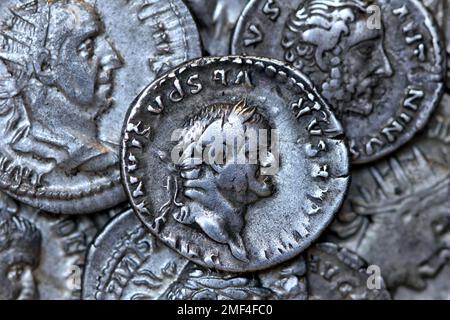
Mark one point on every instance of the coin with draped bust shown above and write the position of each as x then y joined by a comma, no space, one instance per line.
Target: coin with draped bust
68,71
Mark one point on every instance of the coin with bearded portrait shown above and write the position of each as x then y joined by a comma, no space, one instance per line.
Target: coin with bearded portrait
237,163
68,71
379,64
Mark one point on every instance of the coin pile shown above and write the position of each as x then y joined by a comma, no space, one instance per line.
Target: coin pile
224,149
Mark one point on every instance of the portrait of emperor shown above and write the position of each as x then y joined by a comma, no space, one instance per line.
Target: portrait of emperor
332,42
216,191
56,78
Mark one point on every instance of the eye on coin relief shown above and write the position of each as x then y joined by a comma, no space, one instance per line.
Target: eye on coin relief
222,213
68,71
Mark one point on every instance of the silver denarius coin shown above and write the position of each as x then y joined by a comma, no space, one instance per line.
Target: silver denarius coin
42,256
68,71
380,64
216,20
237,163
335,273
126,262
398,217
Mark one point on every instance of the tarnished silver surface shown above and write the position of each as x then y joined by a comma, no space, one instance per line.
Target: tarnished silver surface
382,78
230,215
42,256
437,288
398,217
216,20
441,11
335,273
68,71
126,262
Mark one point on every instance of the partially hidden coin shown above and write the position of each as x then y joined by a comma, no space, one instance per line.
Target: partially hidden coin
235,162
127,263
42,256
397,214
68,72
379,64
335,273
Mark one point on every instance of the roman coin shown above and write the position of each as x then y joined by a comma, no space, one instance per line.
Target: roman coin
127,263
379,64
235,162
42,256
397,215
68,72
335,273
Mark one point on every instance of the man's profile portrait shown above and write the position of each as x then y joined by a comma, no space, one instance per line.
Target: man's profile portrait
20,248
56,78
217,189
334,43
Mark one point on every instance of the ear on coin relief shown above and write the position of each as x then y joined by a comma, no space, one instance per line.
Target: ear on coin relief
68,72
383,83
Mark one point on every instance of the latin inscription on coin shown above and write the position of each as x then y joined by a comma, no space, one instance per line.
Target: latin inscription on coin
68,71
379,64
127,263
335,273
235,162
397,215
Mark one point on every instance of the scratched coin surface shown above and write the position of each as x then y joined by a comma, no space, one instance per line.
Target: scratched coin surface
379,64
42,256
68,72
335,273
397,215
237,163
216,20
127,263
